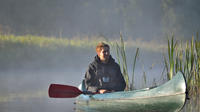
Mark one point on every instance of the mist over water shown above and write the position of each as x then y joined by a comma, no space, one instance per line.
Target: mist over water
25,89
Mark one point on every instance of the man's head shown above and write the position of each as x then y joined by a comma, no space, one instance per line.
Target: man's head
103,51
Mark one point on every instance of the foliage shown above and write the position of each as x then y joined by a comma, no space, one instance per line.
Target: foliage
122,60
187,61
171,49
40,52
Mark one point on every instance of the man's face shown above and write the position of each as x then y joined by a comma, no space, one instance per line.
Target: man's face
104,54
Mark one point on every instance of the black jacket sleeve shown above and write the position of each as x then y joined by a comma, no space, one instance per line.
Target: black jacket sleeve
90,82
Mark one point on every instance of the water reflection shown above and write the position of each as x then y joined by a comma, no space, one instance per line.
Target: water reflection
192,105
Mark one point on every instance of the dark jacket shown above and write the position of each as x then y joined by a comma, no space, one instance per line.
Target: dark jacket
104,76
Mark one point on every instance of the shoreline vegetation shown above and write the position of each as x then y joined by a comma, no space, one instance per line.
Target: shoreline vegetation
35,52
42,41
30,51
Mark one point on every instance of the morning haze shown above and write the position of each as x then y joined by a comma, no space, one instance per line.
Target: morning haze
69,18
53,41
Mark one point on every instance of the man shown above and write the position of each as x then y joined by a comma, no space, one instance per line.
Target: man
104,74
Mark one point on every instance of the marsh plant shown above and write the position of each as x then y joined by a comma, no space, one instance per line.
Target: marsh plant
184,57
122,60
171,61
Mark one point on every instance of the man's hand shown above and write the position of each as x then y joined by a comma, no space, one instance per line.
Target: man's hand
101,91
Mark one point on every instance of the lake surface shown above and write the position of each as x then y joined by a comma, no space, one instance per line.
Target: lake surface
25,91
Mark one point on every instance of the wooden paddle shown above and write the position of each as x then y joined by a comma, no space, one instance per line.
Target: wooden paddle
65,91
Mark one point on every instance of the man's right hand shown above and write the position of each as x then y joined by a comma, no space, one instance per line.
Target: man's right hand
102,91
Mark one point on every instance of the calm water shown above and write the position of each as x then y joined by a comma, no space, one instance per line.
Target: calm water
192,105
22,91
27,91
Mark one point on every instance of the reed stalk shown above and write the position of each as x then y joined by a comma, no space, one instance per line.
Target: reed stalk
186,60
120,49
197,60
133,69
122,60
171,52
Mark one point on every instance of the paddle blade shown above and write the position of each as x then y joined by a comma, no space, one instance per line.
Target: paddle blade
63,91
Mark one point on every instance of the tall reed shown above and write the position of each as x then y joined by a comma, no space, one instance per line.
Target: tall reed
185,59
133,69
171,51
121,57
122,60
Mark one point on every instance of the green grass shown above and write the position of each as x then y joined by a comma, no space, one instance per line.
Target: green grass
48,42
121,57
184,57
20,51
38,52
122,60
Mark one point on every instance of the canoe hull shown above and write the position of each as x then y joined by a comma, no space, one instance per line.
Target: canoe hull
157,104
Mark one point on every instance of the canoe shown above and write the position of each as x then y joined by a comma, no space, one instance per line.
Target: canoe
169,97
